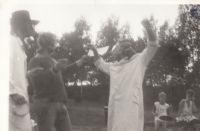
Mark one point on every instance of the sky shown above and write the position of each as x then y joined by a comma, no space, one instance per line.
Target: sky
59,19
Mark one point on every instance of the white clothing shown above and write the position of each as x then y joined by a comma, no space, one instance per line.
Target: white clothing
18,83
161,110
125,109
186,114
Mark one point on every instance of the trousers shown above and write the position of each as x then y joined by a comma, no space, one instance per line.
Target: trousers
51,116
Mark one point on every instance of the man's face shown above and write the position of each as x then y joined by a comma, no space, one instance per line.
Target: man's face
117,51
30,31
52,46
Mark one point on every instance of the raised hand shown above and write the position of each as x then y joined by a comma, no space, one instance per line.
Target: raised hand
146,23
90,46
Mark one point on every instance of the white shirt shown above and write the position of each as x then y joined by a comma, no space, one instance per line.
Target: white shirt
186,114
125,109
17,79
161,109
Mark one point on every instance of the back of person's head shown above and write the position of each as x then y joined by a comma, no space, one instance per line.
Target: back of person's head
46,39
190,92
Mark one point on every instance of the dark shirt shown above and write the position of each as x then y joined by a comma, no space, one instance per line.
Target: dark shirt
48,84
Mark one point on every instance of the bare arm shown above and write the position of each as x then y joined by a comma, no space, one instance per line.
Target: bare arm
194,108
181,105
168,111
154,110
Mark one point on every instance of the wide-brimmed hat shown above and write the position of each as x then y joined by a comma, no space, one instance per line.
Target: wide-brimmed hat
22,16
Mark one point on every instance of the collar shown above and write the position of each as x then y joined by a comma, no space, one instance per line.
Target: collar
125,60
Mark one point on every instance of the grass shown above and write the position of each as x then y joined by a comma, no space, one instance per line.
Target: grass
89,116
86,116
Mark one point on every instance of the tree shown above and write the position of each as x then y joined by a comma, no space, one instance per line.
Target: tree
71,47
109,33
188,30
125,32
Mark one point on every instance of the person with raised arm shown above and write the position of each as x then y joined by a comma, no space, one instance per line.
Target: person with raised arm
125,109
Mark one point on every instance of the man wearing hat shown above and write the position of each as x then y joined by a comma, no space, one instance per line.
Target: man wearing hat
21,27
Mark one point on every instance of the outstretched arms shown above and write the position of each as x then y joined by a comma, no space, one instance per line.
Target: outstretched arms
181,105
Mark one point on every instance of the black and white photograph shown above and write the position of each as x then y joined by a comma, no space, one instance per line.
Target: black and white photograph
100,67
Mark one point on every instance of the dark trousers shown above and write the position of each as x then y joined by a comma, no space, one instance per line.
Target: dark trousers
51,116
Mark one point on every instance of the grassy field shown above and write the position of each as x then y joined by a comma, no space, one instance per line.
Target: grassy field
86,116
89,116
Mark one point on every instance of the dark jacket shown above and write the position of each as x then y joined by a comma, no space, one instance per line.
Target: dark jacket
48,84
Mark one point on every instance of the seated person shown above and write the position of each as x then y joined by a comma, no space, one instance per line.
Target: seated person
186,109
161,109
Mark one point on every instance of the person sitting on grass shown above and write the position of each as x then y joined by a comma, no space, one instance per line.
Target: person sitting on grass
161,109
186,109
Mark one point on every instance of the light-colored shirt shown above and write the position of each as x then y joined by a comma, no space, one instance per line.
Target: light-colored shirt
18,67
186,114
125,109
161,109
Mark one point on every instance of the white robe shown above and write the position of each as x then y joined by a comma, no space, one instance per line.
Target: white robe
18,84
125,108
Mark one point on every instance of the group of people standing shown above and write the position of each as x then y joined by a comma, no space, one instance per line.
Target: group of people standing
125,109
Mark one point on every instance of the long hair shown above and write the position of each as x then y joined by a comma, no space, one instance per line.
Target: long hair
17,26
